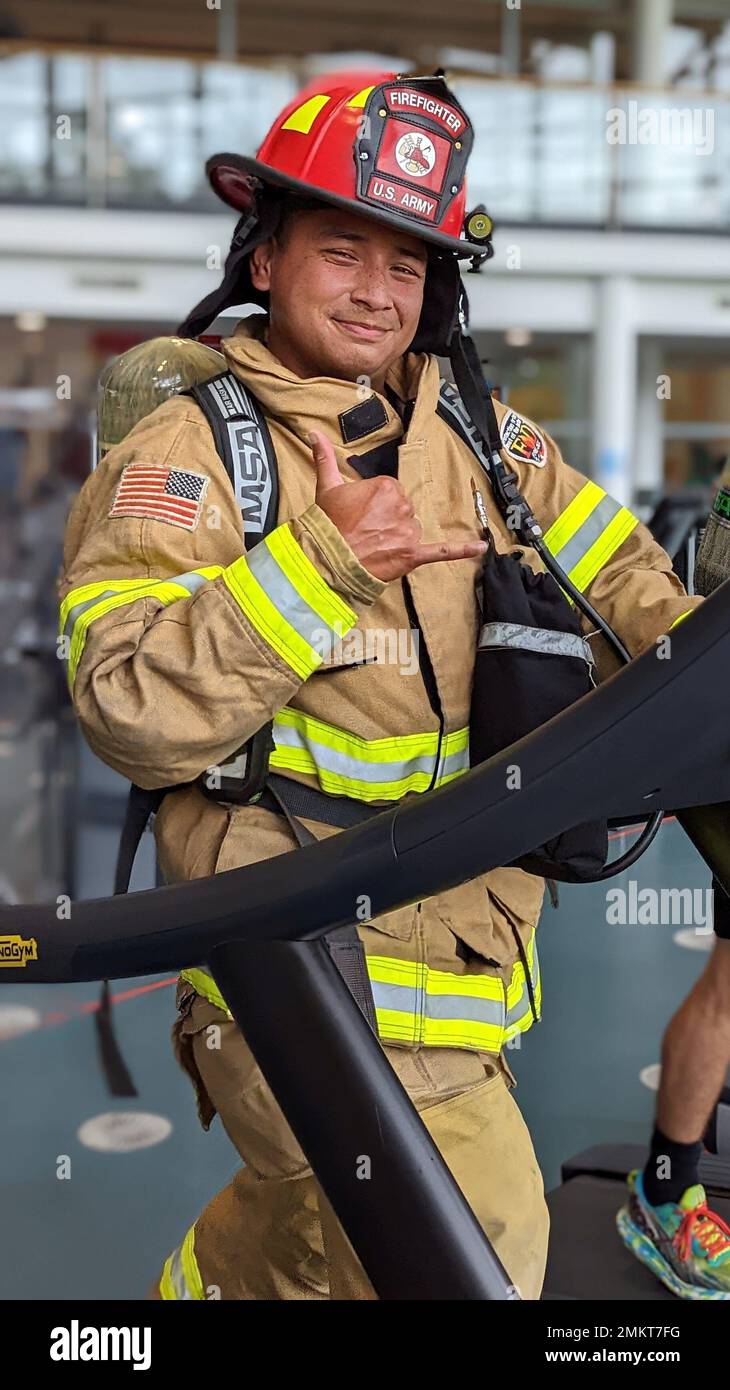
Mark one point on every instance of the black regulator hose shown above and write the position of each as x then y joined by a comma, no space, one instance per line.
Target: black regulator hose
519,517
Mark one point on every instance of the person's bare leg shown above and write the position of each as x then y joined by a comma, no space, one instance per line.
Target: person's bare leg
667,1222
696,1053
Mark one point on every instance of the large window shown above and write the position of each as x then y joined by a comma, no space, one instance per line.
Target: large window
135,132
696,418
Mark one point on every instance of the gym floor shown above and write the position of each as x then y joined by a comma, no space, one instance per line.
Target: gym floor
84,1222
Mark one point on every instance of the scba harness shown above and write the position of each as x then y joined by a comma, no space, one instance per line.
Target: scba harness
391,148
531,661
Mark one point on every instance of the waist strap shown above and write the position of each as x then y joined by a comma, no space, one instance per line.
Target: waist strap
310,804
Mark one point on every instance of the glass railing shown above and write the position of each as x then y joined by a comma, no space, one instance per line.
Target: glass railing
135,133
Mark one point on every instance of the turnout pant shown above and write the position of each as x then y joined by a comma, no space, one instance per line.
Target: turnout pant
271,1233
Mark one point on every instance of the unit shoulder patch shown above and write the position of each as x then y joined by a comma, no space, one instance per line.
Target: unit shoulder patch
172,495
522,441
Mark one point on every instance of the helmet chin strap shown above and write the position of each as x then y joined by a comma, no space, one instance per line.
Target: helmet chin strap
236,287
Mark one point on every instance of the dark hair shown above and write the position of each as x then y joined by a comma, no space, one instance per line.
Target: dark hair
292,205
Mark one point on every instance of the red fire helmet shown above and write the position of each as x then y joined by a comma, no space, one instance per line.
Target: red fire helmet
384,145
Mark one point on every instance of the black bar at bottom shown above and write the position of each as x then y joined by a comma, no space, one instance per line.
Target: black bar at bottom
408,1220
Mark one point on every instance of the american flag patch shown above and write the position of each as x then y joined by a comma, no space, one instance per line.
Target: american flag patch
162,494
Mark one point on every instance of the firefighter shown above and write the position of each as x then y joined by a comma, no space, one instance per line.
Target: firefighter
185,642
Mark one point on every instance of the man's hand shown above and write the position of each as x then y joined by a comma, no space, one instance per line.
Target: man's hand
377,519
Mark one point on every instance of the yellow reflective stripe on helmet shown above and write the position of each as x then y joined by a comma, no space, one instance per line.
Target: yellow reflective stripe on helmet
288,602
419,1005
181,1278
303,118
360,98
588,532
381,769
82,606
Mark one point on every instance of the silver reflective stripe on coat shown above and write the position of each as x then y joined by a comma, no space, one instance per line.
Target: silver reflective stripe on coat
361,769
177,1276
535,639
190,581
75,613
408,1000
279,589
588,533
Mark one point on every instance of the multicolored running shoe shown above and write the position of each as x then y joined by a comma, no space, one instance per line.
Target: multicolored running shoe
685,1244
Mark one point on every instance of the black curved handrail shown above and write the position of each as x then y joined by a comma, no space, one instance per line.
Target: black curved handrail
653,735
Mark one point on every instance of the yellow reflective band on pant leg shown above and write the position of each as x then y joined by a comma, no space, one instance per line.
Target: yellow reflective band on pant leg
288,602
181,1279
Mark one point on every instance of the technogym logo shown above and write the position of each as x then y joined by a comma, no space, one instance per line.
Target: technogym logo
663,907
15,951
76,1343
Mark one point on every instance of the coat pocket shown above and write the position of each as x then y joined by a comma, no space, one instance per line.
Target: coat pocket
485,913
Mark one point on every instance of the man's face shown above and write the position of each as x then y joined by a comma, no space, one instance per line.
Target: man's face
345,294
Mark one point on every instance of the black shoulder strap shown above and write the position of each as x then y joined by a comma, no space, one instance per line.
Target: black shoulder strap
452,410
243,442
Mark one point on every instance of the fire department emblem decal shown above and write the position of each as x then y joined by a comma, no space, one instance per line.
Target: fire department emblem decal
415,154
521,440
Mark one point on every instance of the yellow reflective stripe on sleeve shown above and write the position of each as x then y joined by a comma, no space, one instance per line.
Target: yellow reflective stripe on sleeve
288,602
308,581
381,769
601,551
681,617
576,512
82,606
588,532
181,1278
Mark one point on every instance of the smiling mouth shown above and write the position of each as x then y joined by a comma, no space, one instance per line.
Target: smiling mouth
365,332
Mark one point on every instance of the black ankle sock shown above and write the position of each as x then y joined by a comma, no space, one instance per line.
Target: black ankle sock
670,1169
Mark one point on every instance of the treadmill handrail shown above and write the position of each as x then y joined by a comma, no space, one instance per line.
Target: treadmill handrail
637,738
